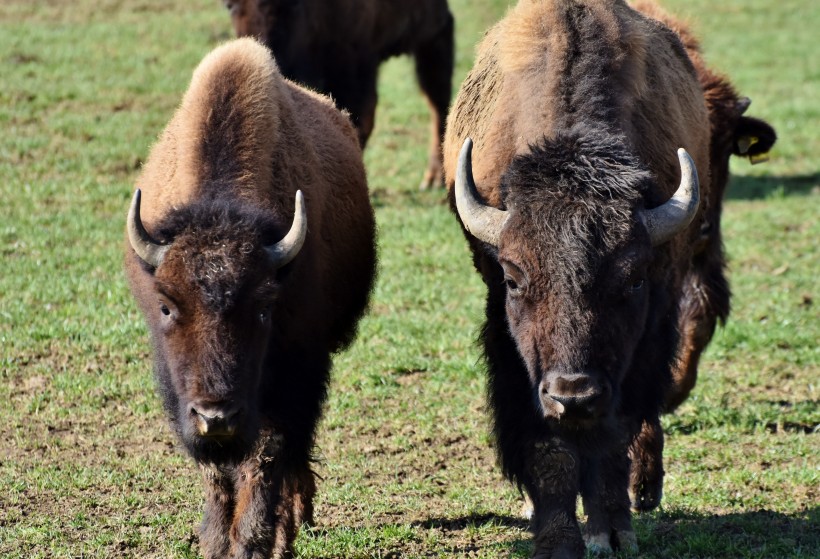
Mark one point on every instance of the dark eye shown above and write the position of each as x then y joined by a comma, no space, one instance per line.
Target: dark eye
163,308
511,284
636,286
264,315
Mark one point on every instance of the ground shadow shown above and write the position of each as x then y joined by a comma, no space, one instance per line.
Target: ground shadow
470,521
756,188
760,534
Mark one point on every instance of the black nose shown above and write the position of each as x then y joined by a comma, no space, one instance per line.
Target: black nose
575,396
215,420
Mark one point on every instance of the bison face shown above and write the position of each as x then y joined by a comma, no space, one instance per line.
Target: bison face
246,18
575,246
211,300
211,345
576,315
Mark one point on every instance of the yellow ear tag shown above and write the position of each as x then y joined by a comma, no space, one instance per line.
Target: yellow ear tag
759,158
745,142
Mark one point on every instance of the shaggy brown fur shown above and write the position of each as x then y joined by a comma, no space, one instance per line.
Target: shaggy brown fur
336,47
576,109
228,327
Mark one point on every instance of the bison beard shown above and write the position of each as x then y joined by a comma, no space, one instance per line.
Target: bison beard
244,301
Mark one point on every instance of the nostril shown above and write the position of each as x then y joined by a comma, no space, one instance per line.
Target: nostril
214,421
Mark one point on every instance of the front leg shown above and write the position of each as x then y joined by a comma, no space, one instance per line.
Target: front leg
606,503
219,503
553,472
646,470
274,496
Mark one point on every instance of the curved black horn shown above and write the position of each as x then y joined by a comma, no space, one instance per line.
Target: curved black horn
286,250
669,219
482,221
146,248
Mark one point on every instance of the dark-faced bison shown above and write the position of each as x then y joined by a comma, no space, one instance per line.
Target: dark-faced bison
336,47
591,203
251,254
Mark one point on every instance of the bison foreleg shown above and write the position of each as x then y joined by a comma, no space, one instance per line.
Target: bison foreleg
552,482
604,494
434,70
273,500
219,504
646,468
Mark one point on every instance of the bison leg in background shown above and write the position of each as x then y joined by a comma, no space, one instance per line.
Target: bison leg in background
353,86
705,300
646,467
603,490
434,71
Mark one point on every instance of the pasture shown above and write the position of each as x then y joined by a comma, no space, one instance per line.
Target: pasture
88,467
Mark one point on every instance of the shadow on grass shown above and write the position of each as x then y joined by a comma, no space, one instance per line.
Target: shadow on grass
757,534
756,188
470,521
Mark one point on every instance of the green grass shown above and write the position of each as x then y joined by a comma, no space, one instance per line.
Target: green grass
88,467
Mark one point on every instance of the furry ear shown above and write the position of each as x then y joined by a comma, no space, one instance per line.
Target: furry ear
753,138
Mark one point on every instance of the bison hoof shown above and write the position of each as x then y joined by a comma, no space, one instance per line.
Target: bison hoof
604,545
527,508
645,498
627,542
598,545
432,179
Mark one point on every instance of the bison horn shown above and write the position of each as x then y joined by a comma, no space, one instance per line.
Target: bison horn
286,250
669,219
146,248
484,222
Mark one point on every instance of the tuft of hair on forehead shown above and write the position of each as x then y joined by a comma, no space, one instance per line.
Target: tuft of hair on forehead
580,186
219,243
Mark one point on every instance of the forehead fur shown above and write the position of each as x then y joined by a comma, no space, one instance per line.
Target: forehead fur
577,192
217,247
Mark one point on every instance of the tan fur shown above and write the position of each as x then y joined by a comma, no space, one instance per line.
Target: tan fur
516,64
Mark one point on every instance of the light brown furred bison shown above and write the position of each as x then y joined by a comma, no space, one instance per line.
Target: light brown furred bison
336,47
251,255
585,220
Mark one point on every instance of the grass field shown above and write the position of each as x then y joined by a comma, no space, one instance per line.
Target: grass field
88,467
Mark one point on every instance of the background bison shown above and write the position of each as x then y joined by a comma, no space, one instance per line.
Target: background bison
245,296
577,110
336,46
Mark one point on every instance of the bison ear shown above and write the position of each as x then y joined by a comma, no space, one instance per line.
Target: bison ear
753,138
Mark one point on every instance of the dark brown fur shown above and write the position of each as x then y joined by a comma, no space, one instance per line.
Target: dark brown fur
336,47
228,326
576,109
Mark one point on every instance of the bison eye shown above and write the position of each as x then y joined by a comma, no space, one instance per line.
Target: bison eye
264,315
514,288
163,308
636,286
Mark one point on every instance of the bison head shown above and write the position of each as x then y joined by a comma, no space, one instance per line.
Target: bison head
210,298
575,248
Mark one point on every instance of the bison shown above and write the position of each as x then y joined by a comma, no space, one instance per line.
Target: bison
251,255
591,205
706,292
336,46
